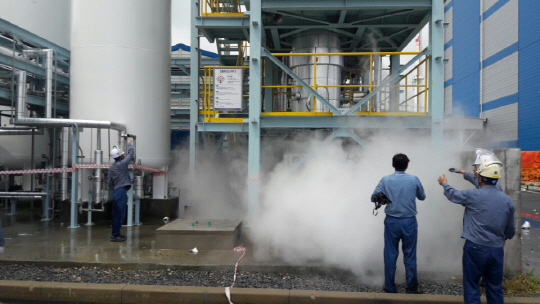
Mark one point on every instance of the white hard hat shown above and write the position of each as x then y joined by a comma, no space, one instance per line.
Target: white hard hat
490,169
116,152
483,155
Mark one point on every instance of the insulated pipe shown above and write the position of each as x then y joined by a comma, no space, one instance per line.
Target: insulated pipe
48,55
20,118
17,194
20,131
98,156
65,159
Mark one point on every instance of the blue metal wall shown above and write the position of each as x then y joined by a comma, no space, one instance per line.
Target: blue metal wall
466,58
529,76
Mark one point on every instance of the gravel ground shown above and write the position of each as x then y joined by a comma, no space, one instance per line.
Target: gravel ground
207,279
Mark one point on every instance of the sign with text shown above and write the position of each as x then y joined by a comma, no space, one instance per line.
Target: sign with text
228,89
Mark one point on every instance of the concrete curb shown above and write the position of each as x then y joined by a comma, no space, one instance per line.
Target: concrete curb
155,294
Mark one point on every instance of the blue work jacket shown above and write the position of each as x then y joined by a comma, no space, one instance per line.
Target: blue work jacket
402,190
489,214
118,171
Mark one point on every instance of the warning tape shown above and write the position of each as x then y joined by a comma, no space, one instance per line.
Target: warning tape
76,167
228,289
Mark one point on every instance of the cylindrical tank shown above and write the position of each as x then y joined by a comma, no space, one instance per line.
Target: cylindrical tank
120,72
328,69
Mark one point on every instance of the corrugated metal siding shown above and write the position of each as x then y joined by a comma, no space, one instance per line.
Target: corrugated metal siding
465,96
489,3
466,66
501,78
501,29
448,16
529,76
528,22
448,67
502,124
448,100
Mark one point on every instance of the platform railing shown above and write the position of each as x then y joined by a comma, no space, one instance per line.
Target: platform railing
221,8
413,100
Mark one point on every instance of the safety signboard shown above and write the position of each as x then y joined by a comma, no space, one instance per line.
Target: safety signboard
228,89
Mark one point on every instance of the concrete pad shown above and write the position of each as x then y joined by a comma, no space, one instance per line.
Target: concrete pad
163,294
330,297
82,292
186,234
248,295
20,290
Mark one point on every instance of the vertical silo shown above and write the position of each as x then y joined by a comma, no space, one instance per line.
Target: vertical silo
120,72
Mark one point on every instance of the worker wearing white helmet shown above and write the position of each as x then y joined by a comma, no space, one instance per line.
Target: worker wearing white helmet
488,221
120,182
482,156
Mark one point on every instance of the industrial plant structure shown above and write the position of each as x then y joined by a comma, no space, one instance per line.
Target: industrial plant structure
281,66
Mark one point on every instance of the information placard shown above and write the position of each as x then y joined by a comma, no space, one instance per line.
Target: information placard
228,89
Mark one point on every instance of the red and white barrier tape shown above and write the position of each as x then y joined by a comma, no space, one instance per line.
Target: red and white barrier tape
228,289
76,167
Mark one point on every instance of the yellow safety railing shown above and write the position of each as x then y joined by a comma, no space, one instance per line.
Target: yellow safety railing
415,88
221,8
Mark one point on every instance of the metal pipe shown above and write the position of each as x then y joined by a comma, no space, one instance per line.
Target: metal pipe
65,159
22,197
48,55
23,193
21,131
21,119
98,155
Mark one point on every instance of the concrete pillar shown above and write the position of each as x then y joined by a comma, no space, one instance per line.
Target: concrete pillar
511,184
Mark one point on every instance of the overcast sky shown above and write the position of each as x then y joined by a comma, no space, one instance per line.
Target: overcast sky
180,25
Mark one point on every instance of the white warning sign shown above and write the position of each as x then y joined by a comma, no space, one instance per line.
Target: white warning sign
228,89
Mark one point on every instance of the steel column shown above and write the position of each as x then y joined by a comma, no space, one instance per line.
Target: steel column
74,178
394,91
254,125
436,72
194,86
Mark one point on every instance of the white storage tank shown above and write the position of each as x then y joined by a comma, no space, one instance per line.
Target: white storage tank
120,72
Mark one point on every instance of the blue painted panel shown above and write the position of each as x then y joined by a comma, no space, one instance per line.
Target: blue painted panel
466,96
501,102
495,8
528,22
501,55
466,42
529,98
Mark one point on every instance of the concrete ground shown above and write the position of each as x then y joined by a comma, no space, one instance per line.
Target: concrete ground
29,240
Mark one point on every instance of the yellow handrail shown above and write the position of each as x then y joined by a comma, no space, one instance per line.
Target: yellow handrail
420,88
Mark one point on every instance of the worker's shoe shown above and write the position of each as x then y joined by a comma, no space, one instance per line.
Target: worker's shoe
414,291
120,238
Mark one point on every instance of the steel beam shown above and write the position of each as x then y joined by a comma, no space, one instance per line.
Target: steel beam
33,39
436,73
30,67
254,124
194,86
273,5
34,100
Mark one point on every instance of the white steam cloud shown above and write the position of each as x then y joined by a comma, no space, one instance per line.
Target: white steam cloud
319,213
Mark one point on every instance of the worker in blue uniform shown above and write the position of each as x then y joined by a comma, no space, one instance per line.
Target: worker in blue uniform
488,221
481,156
120,182
400,223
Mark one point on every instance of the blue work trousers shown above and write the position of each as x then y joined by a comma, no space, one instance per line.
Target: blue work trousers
482,261
406,230
118,210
